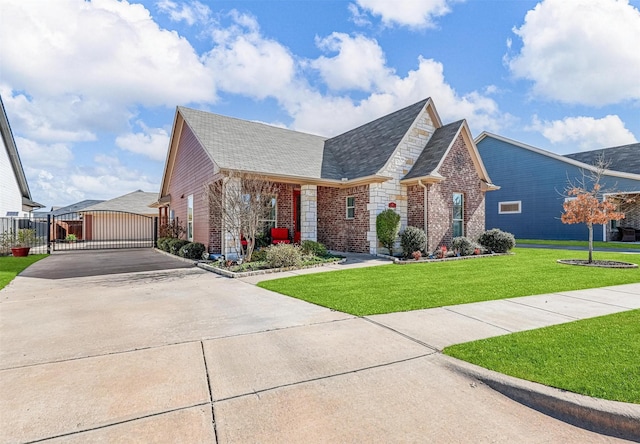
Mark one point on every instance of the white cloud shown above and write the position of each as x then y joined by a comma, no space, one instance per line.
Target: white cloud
190,13
247,63
411,13
360,63
586,132
35,155
317,113
151,142
54,49
581,51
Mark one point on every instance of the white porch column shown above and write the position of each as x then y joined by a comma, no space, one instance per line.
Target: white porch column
230,248
309,212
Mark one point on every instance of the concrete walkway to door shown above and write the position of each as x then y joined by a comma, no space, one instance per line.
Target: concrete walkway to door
183,355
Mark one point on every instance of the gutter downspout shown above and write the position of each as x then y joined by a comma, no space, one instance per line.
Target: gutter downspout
426,211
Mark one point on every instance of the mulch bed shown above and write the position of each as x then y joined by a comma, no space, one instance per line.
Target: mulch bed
601,264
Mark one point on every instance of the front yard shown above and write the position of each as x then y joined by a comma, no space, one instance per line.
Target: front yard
595,357
393,288
11,266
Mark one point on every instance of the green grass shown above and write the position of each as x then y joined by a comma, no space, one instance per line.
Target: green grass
596,357
393,288
10,266
585,244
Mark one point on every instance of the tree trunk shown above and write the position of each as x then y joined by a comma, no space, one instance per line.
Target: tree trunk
590,243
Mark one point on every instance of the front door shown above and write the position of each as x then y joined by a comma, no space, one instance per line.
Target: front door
296,216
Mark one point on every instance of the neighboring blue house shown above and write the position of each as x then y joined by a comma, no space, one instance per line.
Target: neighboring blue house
532,182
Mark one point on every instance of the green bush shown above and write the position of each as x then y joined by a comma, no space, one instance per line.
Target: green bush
497,240
412,239
259,255
284,255
387,227
313,248
175,245
192,250
161,243
464,245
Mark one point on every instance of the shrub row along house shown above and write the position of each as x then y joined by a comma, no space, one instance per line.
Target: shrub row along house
530,201
330,189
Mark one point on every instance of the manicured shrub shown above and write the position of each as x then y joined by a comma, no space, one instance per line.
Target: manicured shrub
161,243
313,248
387,227
192,250
175,245
284,255
464,245
259,255
412,239
497,240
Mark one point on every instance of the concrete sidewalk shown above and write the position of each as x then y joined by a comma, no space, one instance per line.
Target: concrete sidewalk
188,356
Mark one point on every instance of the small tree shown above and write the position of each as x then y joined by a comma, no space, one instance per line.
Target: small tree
586,206
243,201
387,228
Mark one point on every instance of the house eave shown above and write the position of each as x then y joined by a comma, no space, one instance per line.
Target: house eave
302,180
429,179
555,156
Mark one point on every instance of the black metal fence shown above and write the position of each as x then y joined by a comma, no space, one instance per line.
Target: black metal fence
95,230
100,230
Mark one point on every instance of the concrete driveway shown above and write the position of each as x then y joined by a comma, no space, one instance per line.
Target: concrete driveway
184,356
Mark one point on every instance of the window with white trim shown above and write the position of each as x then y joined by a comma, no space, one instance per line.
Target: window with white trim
190,218
458,214
350,207
510,207
271,220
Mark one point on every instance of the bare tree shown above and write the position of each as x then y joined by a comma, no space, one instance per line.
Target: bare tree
243,202
586,202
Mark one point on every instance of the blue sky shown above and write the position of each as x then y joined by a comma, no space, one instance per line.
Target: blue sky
90,88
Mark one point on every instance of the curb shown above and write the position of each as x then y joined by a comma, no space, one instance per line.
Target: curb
613,418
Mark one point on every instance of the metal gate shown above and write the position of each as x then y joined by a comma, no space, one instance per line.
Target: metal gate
101,230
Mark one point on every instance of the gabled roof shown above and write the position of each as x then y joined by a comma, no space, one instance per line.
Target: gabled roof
565,159
256,147
73,208
356,156
625,158
435,150
365,150
136,202
16,164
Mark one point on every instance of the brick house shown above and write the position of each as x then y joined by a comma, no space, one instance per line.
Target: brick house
331,189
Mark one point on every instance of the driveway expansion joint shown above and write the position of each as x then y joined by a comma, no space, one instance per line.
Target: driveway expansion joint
476,319
320,378
125,421
417,341
206,373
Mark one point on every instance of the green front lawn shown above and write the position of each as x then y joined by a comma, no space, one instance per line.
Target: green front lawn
11,266
393,288
585,244
596,357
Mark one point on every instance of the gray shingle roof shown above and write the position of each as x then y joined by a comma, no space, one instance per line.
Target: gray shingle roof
251,146
73,208
624,158
435,149
365,150
136,202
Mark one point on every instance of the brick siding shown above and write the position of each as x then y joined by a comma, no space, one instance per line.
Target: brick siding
460,177
337,232
192,169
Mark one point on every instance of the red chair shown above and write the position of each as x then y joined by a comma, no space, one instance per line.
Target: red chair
280,236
